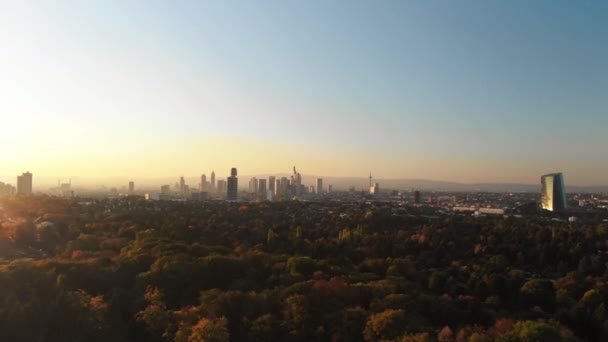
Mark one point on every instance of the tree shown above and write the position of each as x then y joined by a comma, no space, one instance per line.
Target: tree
538,292
155,316
210,331
388,325
537,331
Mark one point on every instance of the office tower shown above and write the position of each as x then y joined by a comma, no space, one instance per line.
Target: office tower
277,187
329,188
232,186
182,185
203,182
165,189
285,187
296,182
416,196
24,184
374,189
221,186
131,187
262,189
553,195
212,180
271,184
253,185
319,185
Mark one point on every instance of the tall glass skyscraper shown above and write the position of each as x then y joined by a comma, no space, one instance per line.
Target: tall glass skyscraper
553,196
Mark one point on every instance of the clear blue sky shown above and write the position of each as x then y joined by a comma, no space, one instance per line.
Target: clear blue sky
470,91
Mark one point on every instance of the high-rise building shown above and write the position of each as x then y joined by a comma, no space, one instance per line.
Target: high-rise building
285,187
416,197
262,189
221,186
131,187
253,185
374,189
182,185
553,195
232,186
319,185
277,187
296,182
203,183
271,184
165,189
24,184
6,189
330,188
212,181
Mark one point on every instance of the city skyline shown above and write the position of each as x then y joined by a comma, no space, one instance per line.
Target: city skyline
185,184
469,92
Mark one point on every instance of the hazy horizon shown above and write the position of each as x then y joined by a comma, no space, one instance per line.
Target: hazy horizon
468,92
44,184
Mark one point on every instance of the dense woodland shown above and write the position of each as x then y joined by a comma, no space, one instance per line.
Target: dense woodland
131,270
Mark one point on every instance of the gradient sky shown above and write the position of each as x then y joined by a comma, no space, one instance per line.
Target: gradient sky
468,91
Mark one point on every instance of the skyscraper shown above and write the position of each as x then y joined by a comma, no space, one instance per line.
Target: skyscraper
319,185
212,181
271,184
182,185
221,186
253,185
374,189
284,188
416,196
131,187
262,189
203,182
233,186
553,192
296,182
24,184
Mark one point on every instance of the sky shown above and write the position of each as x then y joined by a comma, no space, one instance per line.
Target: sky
465,91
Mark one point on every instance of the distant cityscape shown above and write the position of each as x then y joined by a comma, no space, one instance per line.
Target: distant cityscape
552,196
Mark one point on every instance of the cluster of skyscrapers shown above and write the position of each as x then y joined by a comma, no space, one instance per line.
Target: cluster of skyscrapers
553,193
259,189
283,188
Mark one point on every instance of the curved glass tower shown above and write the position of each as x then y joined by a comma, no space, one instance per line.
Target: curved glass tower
553,196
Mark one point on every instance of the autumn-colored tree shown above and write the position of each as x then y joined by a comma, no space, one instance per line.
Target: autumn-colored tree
210,331
386,325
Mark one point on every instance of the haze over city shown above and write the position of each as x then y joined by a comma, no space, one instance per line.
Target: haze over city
282,170
475,91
